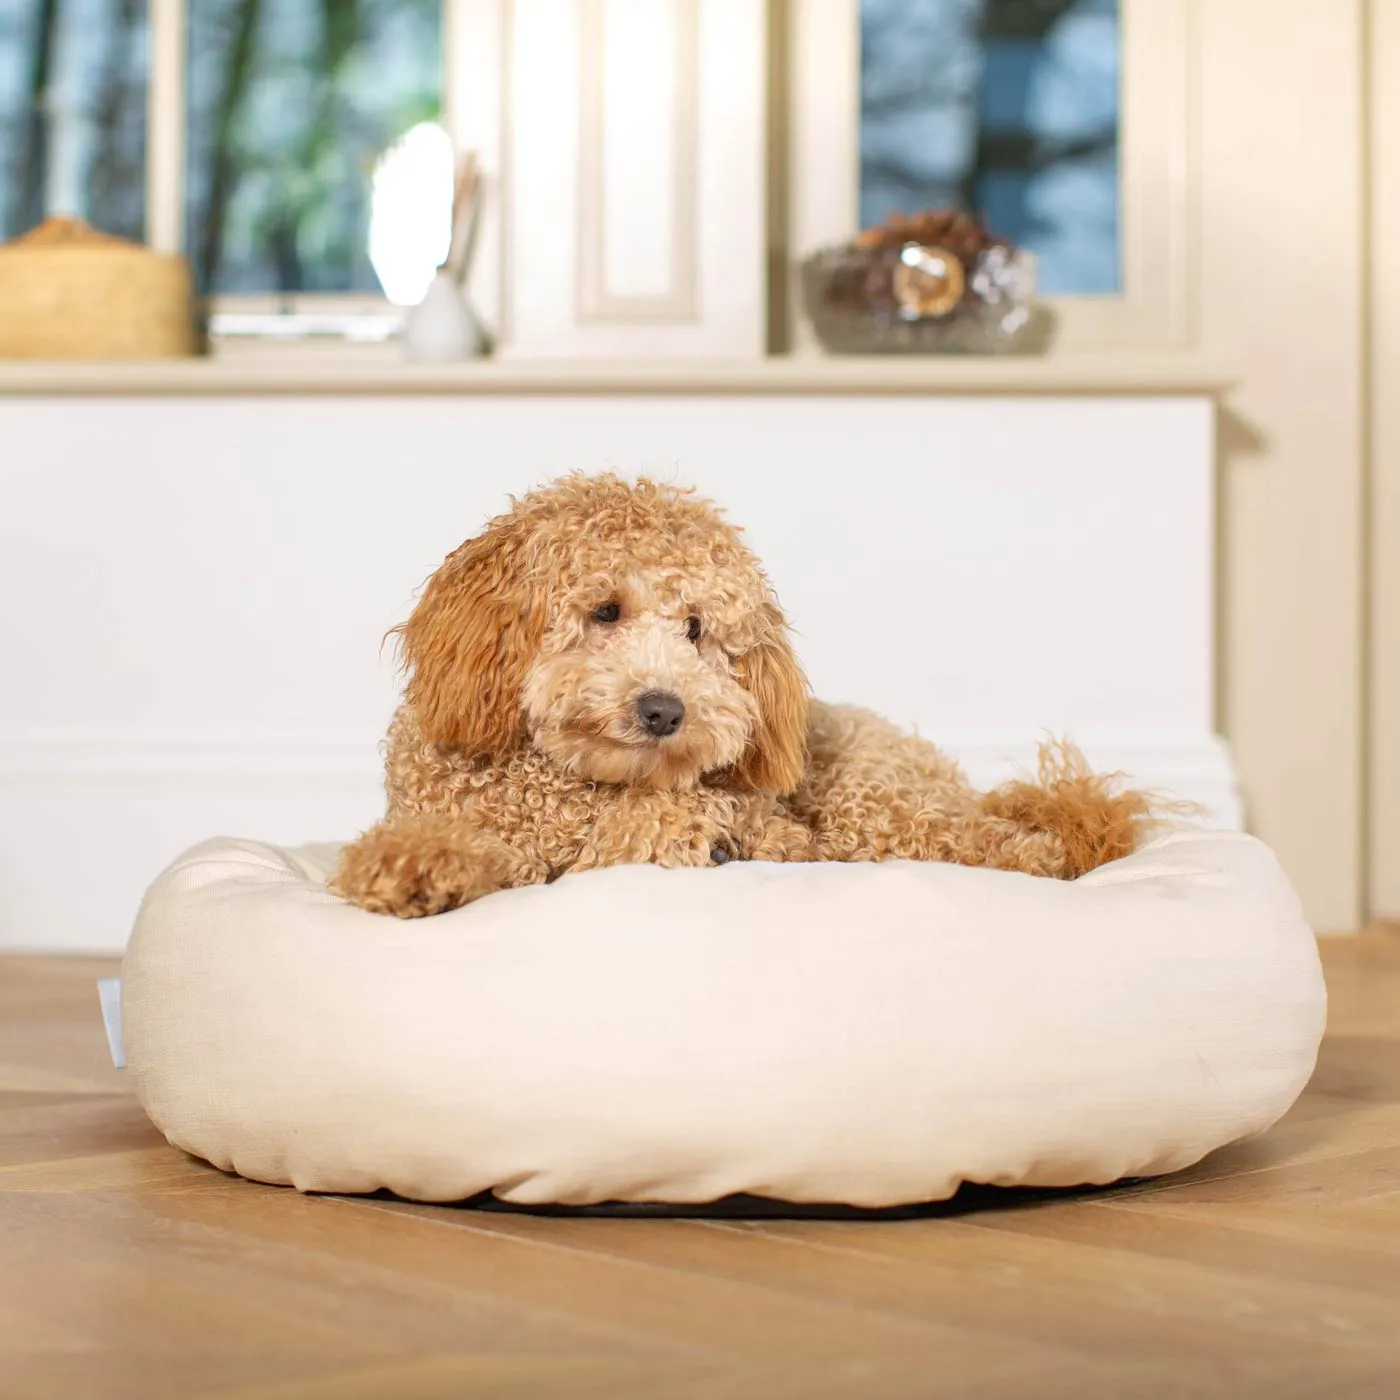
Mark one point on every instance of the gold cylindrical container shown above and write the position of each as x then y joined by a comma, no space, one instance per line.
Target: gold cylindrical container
68,292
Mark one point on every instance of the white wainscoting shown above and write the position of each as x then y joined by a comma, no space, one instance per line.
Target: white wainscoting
193,593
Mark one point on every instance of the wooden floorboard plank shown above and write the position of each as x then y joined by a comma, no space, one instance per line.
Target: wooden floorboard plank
501,1377
1092,1301
627,1298
83,1127
112,1270
137,1170
1300,1142
1315,1251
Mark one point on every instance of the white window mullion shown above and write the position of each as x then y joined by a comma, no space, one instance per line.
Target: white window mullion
474,69
823,157
165,129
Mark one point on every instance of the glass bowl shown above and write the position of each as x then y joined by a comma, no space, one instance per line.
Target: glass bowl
920,299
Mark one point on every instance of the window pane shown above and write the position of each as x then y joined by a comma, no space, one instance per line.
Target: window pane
1008,108
289,104
73,113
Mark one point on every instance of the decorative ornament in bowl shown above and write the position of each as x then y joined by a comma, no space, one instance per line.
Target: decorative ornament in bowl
930,283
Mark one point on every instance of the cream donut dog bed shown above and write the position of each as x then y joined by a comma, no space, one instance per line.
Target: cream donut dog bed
868,1035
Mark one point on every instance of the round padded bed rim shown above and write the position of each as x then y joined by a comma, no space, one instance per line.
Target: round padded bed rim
870,1035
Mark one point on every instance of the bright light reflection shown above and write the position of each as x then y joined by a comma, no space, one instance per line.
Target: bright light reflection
410,223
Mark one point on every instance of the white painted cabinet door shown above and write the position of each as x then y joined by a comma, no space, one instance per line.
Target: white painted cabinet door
636,174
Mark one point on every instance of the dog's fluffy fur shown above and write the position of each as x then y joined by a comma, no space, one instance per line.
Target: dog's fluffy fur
519,753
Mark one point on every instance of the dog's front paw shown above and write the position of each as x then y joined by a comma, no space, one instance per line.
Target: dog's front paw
781,838
422,866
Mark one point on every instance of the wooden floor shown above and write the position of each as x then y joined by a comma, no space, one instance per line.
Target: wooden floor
128,1270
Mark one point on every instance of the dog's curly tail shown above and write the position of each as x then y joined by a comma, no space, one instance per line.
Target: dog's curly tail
1077,819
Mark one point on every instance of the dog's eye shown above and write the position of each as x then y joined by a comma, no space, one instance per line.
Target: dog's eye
692,628
609,612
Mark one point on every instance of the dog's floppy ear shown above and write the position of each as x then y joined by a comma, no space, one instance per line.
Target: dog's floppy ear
777,751
470,642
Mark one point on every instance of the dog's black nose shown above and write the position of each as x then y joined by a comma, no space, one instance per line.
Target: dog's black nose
660,712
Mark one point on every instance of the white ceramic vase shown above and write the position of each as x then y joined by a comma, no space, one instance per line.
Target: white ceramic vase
443,326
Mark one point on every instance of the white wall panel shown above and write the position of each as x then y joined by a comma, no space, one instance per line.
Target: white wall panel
193,593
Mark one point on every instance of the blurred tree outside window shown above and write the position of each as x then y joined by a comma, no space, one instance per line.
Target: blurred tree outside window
290,102
1006,108
288,105
73,113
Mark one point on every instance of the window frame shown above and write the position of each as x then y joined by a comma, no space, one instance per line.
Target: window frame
816,164
470,75
1157,168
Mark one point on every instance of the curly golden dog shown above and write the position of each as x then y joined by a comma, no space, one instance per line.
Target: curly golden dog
604,676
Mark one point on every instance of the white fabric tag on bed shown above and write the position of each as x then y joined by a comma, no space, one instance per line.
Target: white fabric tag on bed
109,993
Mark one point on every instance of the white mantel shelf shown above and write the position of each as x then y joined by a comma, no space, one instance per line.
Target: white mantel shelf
375,371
